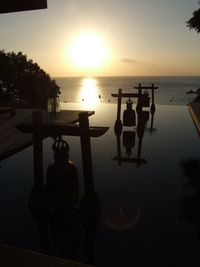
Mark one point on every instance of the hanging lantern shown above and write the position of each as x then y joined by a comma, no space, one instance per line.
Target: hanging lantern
53,105
129,114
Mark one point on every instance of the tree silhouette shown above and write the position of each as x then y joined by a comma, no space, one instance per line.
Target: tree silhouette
23,79
194,21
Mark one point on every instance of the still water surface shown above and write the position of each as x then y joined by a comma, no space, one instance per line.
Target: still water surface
172,90
149,214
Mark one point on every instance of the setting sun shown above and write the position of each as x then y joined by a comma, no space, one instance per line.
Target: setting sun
88,51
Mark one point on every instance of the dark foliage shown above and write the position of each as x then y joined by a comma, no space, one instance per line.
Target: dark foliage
24,80
194,22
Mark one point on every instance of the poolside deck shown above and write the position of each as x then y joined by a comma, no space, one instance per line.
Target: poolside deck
194,109
11,257
12,140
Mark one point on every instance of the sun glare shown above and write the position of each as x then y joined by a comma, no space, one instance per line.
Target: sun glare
89,92
88,51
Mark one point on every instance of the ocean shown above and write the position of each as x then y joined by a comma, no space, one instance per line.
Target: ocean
171,89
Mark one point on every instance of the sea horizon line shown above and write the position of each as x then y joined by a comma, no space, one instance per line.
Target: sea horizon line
129,76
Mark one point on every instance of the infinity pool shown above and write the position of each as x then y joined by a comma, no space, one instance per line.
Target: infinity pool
148,208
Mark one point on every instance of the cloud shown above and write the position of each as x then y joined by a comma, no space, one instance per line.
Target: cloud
127,60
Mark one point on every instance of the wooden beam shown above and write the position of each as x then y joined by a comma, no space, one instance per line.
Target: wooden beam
125,95
64,117
131,160
146,87
70,129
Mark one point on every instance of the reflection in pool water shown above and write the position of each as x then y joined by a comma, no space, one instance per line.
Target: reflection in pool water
89,93
121,220
151,195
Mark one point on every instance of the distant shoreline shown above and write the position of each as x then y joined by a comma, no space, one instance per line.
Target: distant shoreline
128,76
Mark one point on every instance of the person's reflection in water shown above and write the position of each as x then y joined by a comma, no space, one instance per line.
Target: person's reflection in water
63,196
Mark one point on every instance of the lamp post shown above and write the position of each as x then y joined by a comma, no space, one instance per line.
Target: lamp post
53,104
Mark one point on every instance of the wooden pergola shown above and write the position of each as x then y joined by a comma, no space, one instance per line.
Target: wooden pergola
141,122
138,95
42,126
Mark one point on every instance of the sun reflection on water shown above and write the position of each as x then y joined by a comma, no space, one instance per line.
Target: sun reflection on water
89,93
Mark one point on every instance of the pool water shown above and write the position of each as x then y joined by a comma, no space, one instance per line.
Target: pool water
144,214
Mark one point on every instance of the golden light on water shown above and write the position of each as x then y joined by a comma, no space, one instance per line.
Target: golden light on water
88,51
89,93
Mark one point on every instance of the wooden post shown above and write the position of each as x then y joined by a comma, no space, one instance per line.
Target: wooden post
119,104
152,93
139,104
139,151
140,133
139,89
119,150
86,153
37,149
153,108
118,123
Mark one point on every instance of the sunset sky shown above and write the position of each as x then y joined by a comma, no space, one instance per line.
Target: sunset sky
131,37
